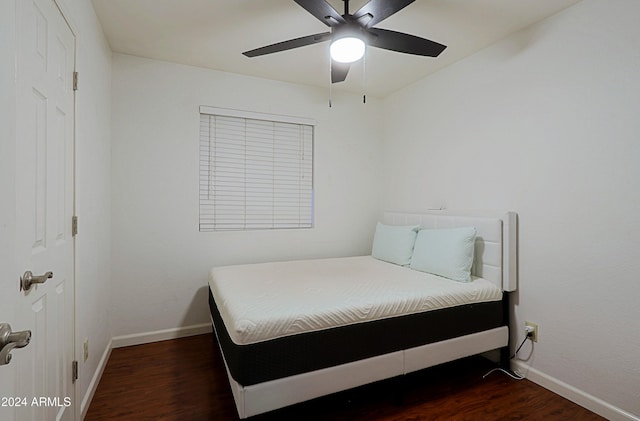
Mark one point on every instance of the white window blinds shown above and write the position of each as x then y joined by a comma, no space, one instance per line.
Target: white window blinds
255,172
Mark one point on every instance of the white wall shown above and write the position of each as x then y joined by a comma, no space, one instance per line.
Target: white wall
545,123
93,192
160,260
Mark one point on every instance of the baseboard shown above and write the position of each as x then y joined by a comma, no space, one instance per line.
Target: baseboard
578,396
160,335
93,385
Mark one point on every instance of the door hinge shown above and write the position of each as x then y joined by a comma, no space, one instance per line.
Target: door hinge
74,226
75,81
74,371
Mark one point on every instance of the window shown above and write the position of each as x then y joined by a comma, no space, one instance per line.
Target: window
256,171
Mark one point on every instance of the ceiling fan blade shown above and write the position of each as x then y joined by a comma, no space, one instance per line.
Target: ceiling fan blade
288,45
323,11
339,71
379,10
404,43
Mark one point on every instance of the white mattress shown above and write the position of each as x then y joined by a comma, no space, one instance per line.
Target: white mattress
259,302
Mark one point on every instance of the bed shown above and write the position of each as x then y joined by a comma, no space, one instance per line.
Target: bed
294,331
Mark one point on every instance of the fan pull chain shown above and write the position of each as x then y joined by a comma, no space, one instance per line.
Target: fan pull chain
364,78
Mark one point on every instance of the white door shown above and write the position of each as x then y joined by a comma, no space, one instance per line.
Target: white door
44,207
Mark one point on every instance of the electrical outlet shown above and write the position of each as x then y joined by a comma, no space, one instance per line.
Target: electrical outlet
534,334
86,349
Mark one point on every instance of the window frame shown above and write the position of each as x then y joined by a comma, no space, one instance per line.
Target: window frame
208,221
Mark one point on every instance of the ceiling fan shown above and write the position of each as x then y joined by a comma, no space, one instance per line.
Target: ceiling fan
351,32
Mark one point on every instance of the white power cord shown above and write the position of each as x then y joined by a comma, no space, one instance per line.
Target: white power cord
515,374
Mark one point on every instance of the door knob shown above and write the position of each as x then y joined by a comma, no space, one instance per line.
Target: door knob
28,279
10,340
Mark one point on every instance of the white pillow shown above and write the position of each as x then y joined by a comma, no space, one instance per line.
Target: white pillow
394,243
445,252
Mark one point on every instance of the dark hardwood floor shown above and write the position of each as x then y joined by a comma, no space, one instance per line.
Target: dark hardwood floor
184,379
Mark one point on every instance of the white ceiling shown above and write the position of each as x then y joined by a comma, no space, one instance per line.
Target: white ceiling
214,33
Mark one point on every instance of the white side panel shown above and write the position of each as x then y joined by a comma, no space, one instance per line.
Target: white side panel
283,392
453,349
237,391
268,396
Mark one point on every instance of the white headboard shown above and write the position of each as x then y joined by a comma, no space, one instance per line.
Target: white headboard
496,242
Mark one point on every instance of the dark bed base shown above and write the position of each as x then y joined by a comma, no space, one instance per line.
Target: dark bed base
282,357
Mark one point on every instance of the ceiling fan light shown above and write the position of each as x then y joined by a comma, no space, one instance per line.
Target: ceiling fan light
347,49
